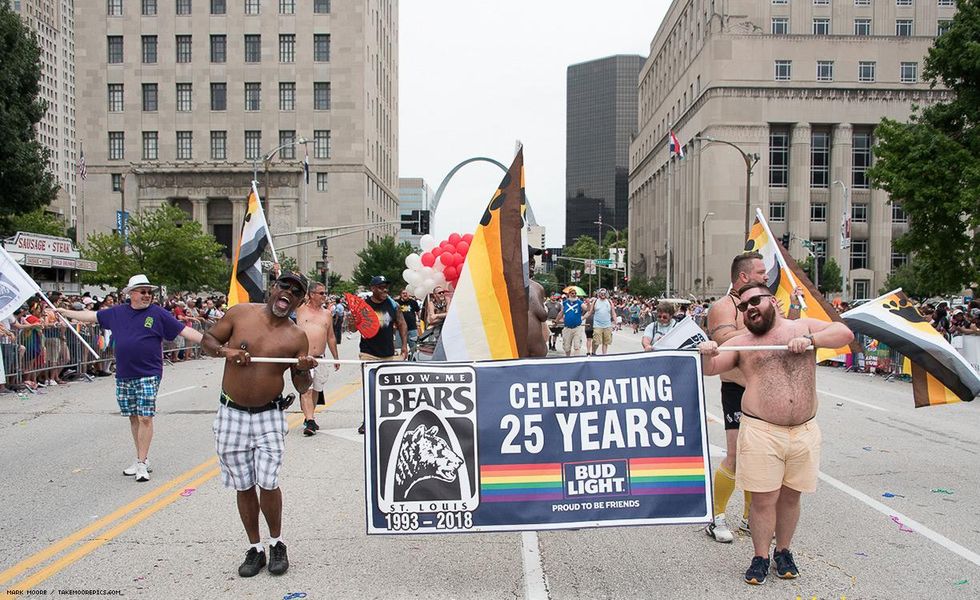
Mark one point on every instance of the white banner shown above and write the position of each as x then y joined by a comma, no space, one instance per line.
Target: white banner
686,335
16,286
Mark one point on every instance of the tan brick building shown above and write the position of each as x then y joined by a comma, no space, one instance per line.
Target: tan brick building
180,99
801,83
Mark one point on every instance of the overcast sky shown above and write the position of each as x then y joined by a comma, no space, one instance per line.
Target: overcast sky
477,76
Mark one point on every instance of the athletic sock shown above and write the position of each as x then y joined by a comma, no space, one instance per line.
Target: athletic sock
748,502
274,540
259,546
724,486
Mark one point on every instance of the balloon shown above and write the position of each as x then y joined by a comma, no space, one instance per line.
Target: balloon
458,260
437,251
418,291
428,259
413,261
446,244
407,275
463,247
427,242
454,238
446,258
412,278
439,266
451,273
468,238
441,279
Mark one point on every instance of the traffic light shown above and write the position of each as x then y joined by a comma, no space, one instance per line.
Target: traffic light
423,221
786,241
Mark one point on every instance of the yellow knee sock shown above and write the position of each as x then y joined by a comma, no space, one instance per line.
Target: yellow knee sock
724,486
748,502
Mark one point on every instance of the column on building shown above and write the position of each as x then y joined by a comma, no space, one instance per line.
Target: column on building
879,238
238,208
798,206
199,208
840,170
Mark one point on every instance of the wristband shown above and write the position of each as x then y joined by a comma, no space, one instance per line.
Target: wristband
795,306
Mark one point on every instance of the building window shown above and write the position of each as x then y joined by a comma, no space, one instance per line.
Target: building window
821,2
818,212
778,158
287,47
825,70
780,1
784,70
149,8
150,97
321,143
287,7
899,260
909,72
898,213
287,141
115,97
219,145
149,49
861,289
151,145
253,96
117,182
253,48
252,7
859,255
859,213
777,212
321,47
820,159
862,26
866,71
321,182
321,7
183,7
287,95
903,27
183,48
115,49
253,144
903,2
943,26
947,2
821,26
780,25
321,95
219,48
184,97
218,7
219,96
114,8
117,145
862,2
861,159
185,145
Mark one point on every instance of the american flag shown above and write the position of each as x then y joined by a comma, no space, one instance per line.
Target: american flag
82,169
306,168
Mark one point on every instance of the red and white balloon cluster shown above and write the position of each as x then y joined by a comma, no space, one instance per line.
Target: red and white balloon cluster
440,263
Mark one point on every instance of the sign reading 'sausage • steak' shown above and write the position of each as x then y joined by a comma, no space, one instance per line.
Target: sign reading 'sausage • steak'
536,444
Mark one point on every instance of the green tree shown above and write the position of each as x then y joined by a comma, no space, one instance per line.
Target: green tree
643,286
548,281
915,280
831,280
25,183
382,257
338,285
38,221
585,247
166,245
931,165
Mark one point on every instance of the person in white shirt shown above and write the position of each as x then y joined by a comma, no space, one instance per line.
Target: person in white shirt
660,326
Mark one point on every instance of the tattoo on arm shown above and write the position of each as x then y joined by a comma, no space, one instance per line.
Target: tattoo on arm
720,327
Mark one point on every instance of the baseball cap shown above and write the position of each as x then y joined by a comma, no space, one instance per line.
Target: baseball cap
379,280
297,278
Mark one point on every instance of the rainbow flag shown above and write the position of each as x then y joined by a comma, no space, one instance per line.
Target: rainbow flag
247,283
520,483
667,475
488,315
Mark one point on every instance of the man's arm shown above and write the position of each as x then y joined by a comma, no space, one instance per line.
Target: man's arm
647,343
213,340
192,335
714,362
301,373
403,332
84,316
795,304
722,319
332,341
823,334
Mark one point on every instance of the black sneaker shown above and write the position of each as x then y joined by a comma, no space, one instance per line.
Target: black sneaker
756,575
360,429
254,561
314,425
785,566
309,428
278,563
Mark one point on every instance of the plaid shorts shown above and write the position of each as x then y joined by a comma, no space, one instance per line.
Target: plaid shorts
137,396
250,447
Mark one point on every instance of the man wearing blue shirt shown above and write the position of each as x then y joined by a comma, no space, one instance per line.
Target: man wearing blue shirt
571,317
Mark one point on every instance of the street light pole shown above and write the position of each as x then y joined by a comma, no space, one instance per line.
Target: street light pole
845,242
750,160
704,282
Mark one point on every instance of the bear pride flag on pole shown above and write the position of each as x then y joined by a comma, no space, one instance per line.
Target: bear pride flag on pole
247,283
488,315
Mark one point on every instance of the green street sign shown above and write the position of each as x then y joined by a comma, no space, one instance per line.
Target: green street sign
603,262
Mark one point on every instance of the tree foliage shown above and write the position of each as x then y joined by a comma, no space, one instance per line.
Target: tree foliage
915,280
646,287
166,245
336,284
931,165
38,221
25,183
831,280
382,257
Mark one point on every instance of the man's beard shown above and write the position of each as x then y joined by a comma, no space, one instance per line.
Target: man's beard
768,319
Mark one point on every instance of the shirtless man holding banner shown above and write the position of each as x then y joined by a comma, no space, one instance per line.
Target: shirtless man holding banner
778,440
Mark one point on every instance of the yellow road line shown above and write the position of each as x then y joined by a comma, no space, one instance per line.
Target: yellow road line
91,545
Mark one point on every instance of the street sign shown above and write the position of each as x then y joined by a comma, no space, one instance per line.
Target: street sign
603,262
590,266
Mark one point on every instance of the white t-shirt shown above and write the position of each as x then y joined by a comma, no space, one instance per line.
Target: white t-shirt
656,330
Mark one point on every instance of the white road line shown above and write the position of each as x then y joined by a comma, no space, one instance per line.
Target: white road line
884,509
535,583
846,399
171,393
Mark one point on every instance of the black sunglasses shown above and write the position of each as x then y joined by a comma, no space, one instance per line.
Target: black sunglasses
753,301
292,287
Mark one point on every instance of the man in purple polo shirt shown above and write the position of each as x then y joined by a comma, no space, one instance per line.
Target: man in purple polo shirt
138,330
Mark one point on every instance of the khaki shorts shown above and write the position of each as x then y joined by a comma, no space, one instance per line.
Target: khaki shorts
571,338
770,456
373,358
602,336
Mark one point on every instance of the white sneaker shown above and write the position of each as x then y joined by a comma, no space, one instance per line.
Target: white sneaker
141,472
719,530
744,525
131,469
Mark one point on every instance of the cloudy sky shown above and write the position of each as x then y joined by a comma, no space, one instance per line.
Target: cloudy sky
475,77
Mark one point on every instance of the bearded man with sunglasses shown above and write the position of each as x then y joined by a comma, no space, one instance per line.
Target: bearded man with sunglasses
138,330
778,440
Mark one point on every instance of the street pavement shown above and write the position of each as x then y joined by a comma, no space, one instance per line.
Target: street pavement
894,515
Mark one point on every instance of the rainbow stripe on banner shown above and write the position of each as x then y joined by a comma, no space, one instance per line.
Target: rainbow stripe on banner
520,483
668,475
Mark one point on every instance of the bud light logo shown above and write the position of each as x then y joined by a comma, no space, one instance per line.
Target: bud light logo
596,479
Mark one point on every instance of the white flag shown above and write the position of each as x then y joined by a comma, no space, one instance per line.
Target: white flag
685,335
16,286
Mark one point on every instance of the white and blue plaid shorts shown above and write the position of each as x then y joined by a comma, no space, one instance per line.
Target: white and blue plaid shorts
137,396
250,447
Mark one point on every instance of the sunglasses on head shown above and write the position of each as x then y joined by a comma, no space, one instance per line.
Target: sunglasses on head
292,287
753,301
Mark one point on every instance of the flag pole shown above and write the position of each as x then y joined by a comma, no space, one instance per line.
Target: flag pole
67,324
268,234
670,165
779,256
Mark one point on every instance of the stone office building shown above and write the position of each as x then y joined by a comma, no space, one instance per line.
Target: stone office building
180,100
801,83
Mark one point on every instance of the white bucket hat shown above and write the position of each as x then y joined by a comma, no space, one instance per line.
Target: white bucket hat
139,280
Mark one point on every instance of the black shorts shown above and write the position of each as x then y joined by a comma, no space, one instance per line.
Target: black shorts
731,403
588,332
